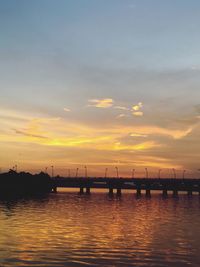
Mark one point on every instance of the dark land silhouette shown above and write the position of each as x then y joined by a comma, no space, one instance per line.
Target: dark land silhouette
14,184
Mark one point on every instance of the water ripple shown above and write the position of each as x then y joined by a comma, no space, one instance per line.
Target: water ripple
70,230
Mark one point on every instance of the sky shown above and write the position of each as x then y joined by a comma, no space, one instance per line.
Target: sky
100,83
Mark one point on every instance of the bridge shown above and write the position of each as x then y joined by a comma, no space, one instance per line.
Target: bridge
135,184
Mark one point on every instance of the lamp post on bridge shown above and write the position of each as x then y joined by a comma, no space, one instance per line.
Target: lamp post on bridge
52,171
85,171
117,171
133,173
106,171
69,173
174,172
77,172
147,174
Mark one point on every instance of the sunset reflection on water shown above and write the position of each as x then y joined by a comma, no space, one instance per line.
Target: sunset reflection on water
66,229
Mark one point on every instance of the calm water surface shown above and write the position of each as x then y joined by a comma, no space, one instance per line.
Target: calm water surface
65,229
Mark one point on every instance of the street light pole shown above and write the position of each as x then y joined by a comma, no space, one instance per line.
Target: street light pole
76,172
147,174
117,171
52,171
174,172
184,171
106,171
85,171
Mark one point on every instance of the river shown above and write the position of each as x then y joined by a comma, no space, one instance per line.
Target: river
66,229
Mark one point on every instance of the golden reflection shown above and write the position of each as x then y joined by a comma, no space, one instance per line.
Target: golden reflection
76,225
66,227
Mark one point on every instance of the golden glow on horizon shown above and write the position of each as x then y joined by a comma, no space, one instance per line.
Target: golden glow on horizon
137,144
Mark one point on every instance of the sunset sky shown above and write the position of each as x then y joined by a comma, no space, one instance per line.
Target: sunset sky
100,83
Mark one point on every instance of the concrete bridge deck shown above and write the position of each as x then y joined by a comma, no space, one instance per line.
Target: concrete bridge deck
164,185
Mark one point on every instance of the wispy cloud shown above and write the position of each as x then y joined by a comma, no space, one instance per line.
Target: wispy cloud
159,131
25,133
121,108
121,116
137,147
138,135
67,109
101,103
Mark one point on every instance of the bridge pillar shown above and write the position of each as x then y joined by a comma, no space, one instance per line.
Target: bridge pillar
110,192
138,192
189,193
87,190
175,193
119,192
81,192
165,194
148,193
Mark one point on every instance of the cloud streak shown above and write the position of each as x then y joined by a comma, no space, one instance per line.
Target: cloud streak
121,116
101,103
67,109
29,134
121,108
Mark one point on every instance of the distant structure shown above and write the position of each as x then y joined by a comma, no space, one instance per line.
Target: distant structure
13,184
164,185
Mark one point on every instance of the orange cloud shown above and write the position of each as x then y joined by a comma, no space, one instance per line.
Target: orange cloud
138,135
101,103
138,113
137,107
136,110
121,107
